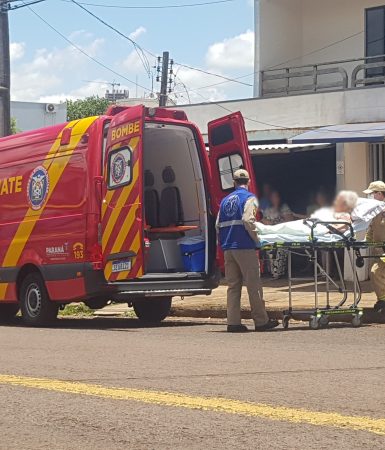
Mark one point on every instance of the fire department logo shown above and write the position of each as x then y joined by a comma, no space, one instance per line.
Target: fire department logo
38,187
118,168
231,205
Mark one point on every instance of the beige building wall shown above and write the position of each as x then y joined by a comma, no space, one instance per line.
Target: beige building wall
356,166
293,32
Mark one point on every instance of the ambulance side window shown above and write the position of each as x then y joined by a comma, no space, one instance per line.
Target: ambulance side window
227,166
119,168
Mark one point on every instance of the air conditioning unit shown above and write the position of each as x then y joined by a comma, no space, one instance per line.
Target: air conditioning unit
50,108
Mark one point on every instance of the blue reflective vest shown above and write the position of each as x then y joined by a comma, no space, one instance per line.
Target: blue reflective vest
232,232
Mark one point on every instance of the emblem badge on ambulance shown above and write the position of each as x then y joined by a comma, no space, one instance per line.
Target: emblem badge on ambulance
118,168
38,187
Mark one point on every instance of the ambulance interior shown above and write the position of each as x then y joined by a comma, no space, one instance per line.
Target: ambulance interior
174,203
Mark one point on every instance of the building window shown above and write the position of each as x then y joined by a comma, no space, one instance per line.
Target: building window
375,38
377,161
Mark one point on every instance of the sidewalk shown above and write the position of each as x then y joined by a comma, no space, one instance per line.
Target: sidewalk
276,297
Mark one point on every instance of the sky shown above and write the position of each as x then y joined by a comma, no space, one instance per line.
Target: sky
216,38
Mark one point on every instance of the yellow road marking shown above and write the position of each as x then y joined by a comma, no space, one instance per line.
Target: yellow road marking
221,405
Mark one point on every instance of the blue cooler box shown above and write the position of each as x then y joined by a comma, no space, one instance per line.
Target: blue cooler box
193,253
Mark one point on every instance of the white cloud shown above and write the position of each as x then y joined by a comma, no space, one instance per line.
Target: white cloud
16,50
232,53
132,63
45,76
193,81
136,33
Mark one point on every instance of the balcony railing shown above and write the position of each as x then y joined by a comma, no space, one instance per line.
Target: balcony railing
334,75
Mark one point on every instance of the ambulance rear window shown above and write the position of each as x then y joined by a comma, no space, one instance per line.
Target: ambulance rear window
227,166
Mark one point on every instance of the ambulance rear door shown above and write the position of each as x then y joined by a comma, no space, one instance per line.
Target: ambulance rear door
122,208
228,152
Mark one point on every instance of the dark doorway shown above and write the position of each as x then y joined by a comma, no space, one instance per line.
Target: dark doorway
298,175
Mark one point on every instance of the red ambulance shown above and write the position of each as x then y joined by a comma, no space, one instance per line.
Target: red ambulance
117,207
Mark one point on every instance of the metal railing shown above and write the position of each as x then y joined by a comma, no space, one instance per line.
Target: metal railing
334,75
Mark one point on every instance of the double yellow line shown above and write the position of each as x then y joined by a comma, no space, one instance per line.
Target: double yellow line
219,405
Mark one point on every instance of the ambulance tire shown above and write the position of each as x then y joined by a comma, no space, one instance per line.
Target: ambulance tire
153,310
8,312
36,307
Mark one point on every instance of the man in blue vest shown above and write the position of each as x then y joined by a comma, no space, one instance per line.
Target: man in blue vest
239,241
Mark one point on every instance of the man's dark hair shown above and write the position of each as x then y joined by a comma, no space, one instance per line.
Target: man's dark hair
241,182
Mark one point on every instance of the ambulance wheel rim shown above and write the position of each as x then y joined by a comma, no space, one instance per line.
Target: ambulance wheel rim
33,300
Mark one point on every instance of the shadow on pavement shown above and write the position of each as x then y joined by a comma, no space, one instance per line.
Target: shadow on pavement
105,324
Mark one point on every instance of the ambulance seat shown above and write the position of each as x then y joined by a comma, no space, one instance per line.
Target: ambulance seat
151,200
170,211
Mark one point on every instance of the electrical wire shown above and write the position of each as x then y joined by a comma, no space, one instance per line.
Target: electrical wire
142,50
187,5
137,47
84,52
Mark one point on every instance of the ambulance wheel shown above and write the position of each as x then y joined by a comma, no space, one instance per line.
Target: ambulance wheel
8,311
36,307
153,310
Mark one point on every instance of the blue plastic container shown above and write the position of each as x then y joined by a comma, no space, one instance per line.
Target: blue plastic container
193,254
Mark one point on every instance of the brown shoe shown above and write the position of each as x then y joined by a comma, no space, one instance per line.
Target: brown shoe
237,329
269,325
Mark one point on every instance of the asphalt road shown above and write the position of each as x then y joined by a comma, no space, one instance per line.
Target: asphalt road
112,384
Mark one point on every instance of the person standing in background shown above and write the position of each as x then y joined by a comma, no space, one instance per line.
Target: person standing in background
376,233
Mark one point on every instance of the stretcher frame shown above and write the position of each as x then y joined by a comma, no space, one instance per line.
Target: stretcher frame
319,316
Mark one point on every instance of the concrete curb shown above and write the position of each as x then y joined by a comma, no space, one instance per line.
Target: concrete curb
370,316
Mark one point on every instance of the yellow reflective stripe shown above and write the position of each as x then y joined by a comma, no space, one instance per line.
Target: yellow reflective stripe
132,144
135,247
55,169
122,236
126,191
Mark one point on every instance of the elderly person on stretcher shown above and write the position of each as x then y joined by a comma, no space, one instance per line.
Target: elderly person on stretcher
347,208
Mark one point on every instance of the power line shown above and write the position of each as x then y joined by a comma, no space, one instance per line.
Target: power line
187,5
83,51
142,50
137,47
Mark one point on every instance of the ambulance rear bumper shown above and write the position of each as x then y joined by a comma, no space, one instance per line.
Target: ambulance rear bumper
96,286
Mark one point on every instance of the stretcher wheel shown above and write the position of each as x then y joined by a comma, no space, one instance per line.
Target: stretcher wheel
314,323
285,322
324,321
357,321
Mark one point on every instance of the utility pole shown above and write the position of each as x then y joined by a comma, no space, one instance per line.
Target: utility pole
5,76
164,80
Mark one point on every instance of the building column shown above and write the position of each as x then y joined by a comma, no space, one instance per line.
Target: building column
257,44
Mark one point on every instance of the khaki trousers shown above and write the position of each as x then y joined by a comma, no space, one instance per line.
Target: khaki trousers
242,267
377,276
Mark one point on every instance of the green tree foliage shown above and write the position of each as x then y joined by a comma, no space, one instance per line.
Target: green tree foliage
90,106
14,128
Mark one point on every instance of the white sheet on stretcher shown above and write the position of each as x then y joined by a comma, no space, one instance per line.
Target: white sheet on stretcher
299,231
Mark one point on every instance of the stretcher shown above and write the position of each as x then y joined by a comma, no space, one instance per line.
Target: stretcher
312,246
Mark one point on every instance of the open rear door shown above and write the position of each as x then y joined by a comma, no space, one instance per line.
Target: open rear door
122,211
228,152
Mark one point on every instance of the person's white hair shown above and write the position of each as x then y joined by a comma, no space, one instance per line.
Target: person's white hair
350,198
